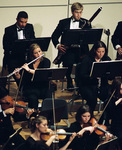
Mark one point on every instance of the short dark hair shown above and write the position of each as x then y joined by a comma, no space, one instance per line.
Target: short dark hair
83,109
22,14
3,92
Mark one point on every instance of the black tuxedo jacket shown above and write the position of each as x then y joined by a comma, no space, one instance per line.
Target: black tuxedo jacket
10,36
63,26
117,36
6,127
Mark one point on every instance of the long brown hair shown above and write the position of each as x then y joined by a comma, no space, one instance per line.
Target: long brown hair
83,109
116,85
36,120
98,44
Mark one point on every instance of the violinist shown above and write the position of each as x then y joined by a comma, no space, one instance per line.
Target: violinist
88,138
34,90
115,105
6,127
36,142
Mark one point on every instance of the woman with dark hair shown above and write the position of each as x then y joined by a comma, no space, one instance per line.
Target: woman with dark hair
87,139
92,88
33,90
35,141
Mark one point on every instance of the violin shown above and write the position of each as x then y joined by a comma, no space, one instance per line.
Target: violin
20,106
99,129
60,132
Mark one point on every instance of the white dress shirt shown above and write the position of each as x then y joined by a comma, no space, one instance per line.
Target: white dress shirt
2,111
20,34
74,25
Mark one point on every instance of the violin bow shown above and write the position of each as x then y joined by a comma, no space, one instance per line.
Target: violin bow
107,104
55,147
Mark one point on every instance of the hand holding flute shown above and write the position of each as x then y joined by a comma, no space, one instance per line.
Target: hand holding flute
24,67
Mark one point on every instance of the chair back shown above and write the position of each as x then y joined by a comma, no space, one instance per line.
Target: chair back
61,108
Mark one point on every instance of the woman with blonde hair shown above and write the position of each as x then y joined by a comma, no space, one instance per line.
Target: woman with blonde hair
34,90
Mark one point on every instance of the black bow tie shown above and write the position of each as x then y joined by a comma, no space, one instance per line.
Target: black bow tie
20,29
76,20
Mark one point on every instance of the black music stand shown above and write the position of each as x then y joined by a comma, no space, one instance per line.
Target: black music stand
109,145
107,69
74,37
21,47
48,74
9,141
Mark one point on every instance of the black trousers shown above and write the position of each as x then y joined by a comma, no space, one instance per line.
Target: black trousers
33,94
71,57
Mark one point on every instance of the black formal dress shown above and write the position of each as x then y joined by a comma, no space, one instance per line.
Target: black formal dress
31,144
72,55
38,89
12,58
114,113
86,142
117,37
88,87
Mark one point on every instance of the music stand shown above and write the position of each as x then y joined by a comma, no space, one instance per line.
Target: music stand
109,145
106,69
77,36
21,47
47,74
11,138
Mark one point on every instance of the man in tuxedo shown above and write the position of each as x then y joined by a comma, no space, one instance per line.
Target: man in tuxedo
6,127
72,55
117,40
20,30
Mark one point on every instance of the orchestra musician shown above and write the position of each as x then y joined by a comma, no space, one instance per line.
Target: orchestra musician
72,55
117,40
87,139
20,30
33,90
115,105
92,88
38,126
6,127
